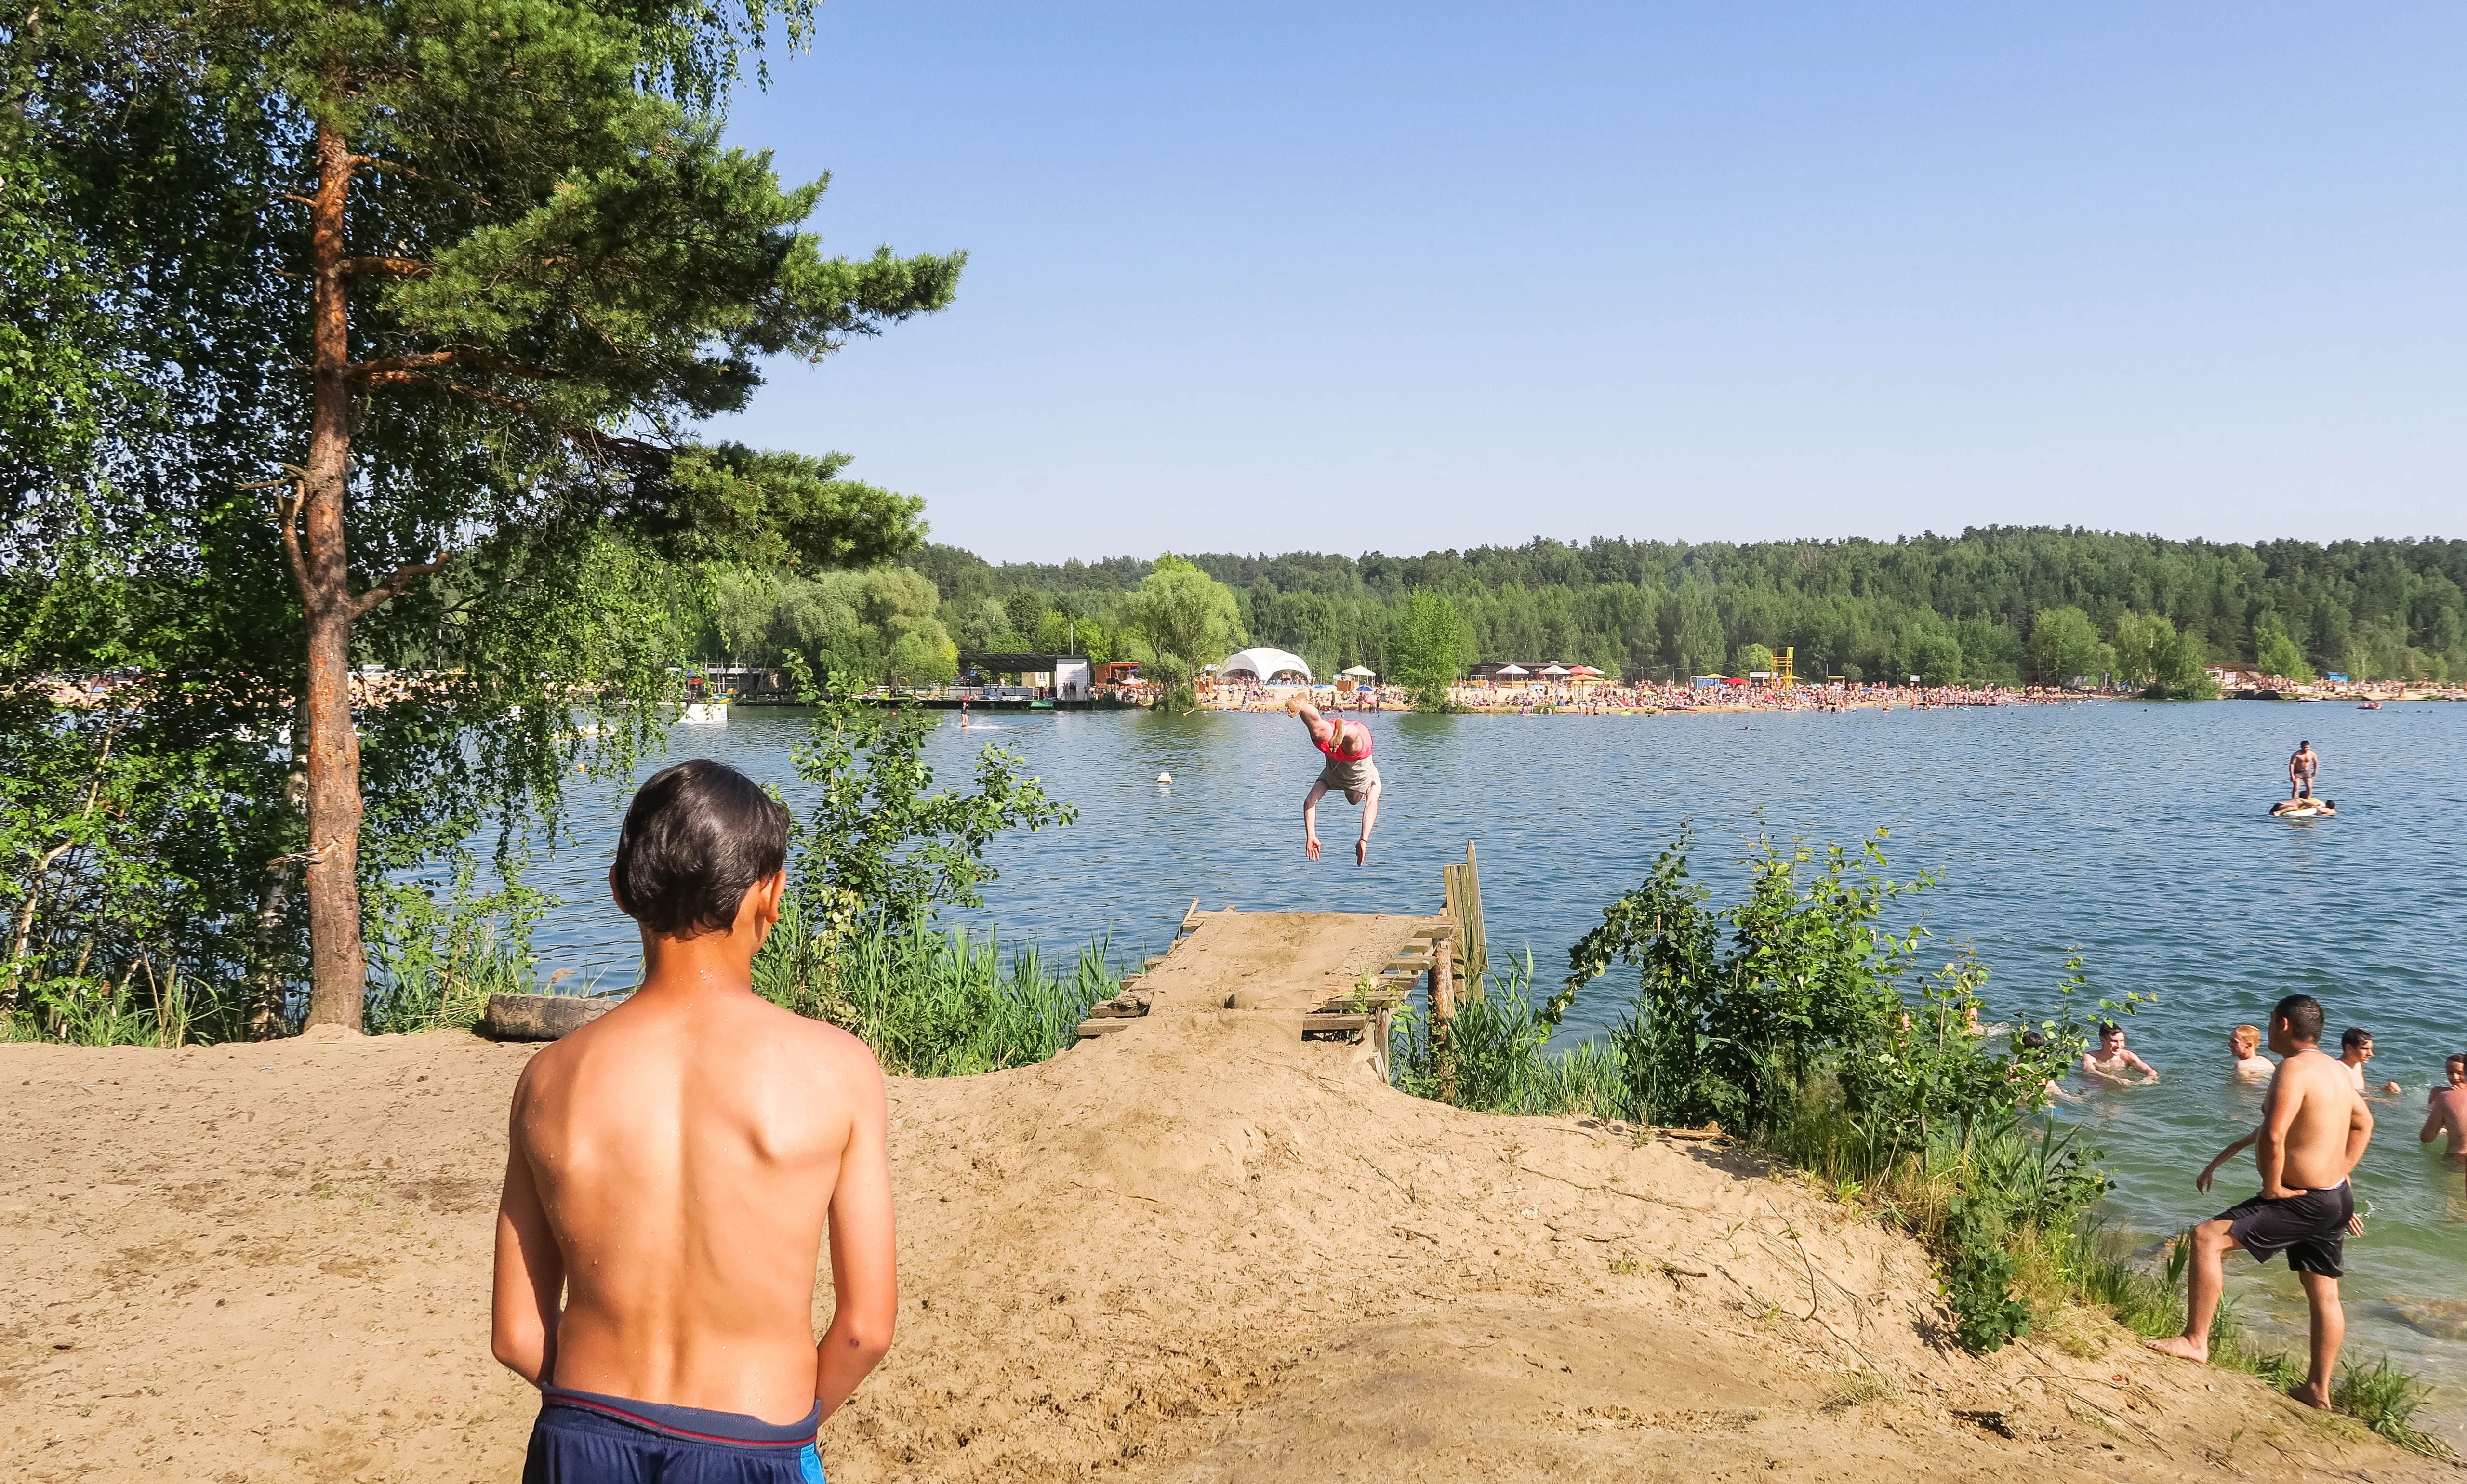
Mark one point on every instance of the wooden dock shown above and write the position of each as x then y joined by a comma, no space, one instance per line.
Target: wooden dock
1337,974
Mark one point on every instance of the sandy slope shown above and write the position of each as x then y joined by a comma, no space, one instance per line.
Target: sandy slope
1197,1250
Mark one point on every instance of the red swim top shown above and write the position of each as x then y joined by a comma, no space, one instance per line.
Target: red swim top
1336,747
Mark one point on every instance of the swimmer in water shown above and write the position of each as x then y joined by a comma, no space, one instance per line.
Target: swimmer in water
2355,1049
2446,1112
2245,1041
2111,1061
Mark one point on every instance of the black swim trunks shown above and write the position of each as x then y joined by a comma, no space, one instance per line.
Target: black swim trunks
2310,1226
585,1438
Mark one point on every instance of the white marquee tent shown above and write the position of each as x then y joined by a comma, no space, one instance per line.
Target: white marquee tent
1265,665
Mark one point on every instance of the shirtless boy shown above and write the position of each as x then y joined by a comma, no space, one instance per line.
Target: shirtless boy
2355,1049
2314,1129
2111,1061
2302,767
2446,1112
1349,771
675,1165
2245,1041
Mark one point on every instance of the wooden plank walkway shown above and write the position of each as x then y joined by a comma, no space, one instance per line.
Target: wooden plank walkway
1337,974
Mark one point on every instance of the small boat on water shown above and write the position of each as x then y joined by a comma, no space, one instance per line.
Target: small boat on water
2368,706
706,712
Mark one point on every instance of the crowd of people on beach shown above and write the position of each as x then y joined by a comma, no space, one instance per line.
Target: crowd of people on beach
1544,698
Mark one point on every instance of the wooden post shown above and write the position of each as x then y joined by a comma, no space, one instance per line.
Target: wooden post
1444,1009
1476,947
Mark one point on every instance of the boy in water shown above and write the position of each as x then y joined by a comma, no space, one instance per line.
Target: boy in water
2314,1129
1349,770
2245,1041
675,1165
2355,1049
2446,1112
2111,1061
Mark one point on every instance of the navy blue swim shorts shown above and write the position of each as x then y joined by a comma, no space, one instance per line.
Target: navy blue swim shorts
2310,1226
584,1438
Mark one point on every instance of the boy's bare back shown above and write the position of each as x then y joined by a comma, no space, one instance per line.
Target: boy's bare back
673,1171
686,1154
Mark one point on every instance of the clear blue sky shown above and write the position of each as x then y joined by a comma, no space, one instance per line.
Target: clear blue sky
1345,276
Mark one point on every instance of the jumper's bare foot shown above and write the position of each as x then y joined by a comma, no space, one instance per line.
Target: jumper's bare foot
2182,1348
1310,846
1361,851
2311,1396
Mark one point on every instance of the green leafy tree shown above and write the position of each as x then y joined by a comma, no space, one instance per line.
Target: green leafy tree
882,851
1187,618
2277,653
1756,659
1695,641
2138,638
2065,644
474,272
2156,658
1427,652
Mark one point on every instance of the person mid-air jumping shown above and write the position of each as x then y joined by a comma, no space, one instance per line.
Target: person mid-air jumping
1349,771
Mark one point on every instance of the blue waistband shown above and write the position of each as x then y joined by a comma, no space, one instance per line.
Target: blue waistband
692,1423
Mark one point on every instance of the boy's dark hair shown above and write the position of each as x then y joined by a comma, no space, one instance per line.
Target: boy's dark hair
2455,1059
695,837
2302,1014
2109,1028
2033,1039
2353,1037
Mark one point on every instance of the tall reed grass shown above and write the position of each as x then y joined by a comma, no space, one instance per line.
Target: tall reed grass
934,1001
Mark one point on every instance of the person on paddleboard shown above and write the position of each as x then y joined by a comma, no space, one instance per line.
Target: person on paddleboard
1349,771
2302,767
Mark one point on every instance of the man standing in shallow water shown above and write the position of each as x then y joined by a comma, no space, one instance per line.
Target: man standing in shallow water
2302,767
2314,1130
674,1166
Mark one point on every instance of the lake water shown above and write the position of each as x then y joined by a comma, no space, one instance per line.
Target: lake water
2137,834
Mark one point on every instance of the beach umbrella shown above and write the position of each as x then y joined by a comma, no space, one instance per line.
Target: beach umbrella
1555,669
1358,671
1512,669
1584,669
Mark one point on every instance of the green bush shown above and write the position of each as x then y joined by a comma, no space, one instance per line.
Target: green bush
1793,1019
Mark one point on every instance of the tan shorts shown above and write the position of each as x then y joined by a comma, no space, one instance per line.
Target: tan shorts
1349,777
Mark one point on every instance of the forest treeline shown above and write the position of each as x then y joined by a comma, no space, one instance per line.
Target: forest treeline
1996,605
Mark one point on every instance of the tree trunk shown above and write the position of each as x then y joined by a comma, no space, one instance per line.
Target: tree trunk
338,960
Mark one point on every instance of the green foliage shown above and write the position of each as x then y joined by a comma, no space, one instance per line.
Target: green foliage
1187,618
880,851
1789,1019
1755,658
1496,1047
2064,642
1429,649
553,269
2276,652
869,626
1729,1033
436,962
876,860
785,509
934,1003
1943,606
2387,1399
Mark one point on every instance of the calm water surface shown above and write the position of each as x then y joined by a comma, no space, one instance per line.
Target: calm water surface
2137,834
